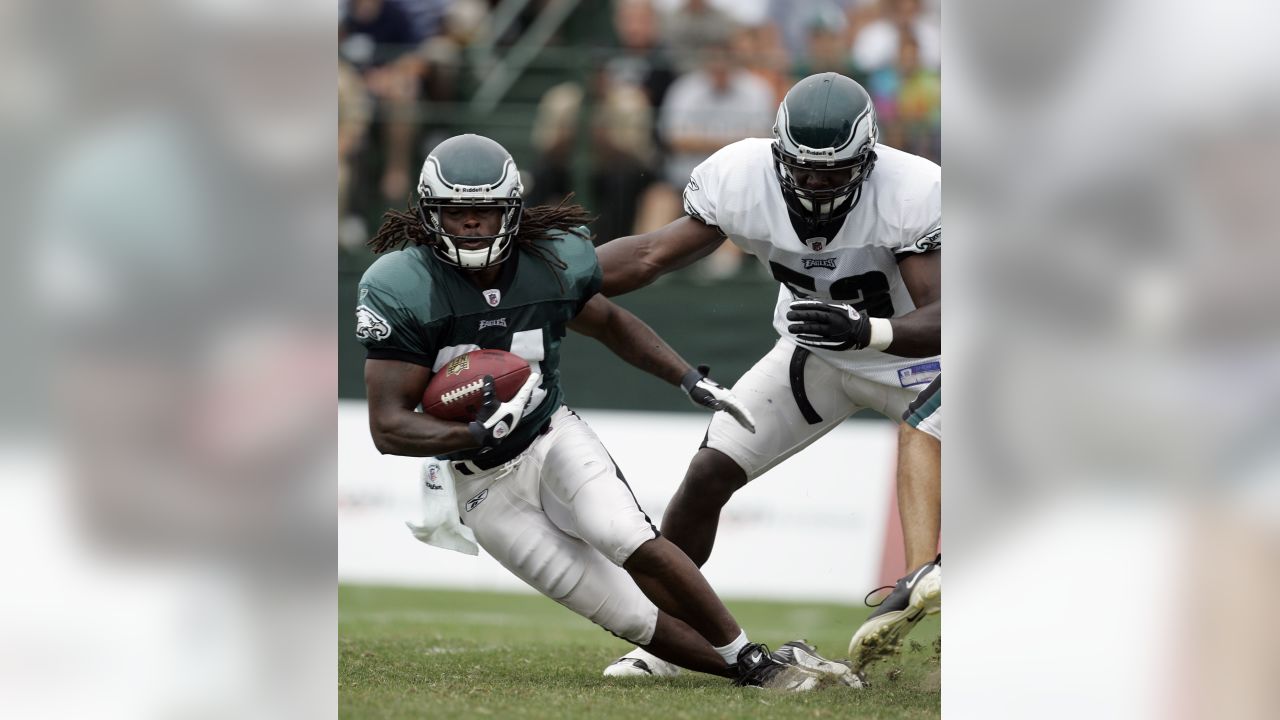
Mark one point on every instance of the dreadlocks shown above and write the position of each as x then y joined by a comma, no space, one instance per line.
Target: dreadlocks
403,228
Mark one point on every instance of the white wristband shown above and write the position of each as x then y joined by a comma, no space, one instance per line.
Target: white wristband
881,334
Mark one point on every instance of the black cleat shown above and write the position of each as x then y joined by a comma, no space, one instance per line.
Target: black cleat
757,667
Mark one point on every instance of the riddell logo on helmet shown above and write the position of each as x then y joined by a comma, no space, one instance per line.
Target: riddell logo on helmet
803,151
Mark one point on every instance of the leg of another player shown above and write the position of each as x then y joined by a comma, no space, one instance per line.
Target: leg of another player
919,592
676,642
693,515
919,494
670,579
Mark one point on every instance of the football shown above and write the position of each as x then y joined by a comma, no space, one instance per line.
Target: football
456,392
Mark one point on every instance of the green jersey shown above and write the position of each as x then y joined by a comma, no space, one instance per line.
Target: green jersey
415,308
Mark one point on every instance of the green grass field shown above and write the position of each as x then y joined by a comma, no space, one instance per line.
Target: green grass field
444,654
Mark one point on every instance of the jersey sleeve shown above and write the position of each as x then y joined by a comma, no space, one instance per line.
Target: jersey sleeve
922,221
388,328
585,277
702,191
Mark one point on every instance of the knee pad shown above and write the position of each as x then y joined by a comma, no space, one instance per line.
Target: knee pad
608,519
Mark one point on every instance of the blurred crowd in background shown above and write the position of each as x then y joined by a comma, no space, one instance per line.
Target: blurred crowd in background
614,101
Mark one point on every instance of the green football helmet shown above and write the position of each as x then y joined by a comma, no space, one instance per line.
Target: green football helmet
470,170
826,124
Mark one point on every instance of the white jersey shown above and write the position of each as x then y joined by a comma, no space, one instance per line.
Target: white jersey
900,213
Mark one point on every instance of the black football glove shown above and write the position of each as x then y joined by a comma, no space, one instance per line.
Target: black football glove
496,419
708,393
831,326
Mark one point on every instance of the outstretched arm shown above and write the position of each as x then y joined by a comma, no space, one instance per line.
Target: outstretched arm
632,340
632,262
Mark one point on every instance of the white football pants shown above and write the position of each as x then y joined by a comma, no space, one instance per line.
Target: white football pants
561,517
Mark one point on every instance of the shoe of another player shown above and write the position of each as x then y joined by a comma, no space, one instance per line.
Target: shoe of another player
802,654
757,667
915,595
639,663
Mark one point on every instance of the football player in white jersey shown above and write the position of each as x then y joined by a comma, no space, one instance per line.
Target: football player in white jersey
852,230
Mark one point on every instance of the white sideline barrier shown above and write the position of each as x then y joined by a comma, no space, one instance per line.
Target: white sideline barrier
811,528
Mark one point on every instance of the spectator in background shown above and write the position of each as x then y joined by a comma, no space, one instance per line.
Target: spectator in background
876,44
427,16
353,122
919,102
375,33
705,110
795,20
643,60
758,49
709,108
440,57
827,47
695,25
378,37
555,130
623,152
625,157
908,98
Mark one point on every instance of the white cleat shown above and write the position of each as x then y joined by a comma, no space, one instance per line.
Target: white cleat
799,653
914,596
639,663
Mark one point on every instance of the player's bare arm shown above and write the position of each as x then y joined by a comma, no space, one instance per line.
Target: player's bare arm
632,340
919,332
632,262
395,389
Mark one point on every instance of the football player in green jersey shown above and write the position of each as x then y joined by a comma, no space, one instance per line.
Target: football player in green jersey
543,496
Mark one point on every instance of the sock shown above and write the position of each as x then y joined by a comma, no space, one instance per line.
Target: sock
730,652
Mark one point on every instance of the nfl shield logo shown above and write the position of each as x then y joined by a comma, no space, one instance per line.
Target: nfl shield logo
493,297
817,243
